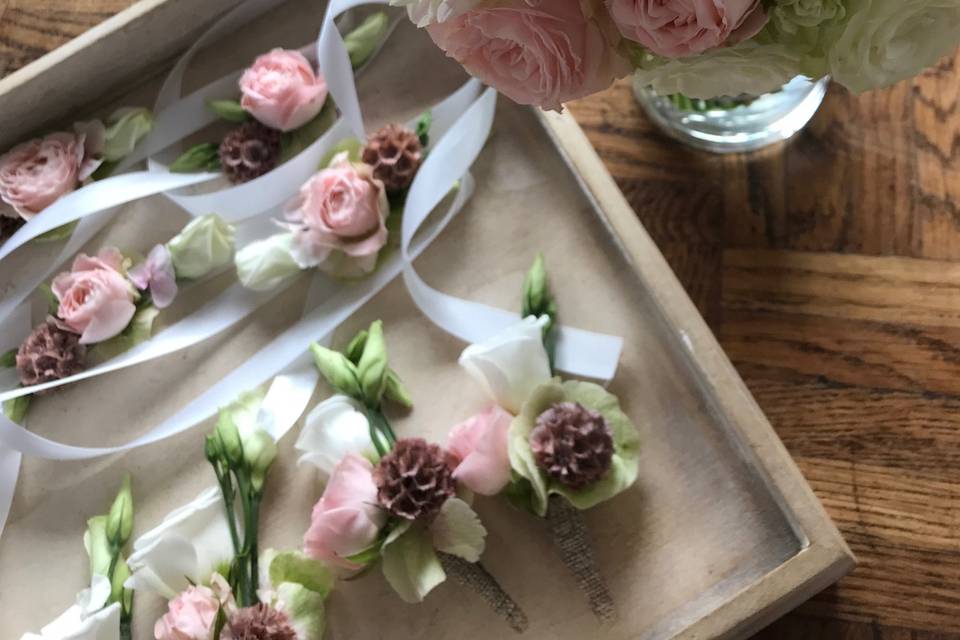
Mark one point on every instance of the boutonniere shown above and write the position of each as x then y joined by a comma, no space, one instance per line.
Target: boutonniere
282,108
37,173
553,447
107,304
339,221
388,500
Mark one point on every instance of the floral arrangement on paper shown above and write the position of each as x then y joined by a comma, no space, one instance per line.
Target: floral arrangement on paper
107,304
282,109
338,222
388,500
37,173
547,53
552,447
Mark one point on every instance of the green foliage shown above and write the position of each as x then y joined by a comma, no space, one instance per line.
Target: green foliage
202,157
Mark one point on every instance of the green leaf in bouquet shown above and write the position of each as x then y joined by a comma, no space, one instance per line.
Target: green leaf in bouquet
366,557
296,141
229,110
139,330
202,157
62,232
337,369
363,41
457,530
16,409
351,146
53,305
410,563
423,128
9,359
296,568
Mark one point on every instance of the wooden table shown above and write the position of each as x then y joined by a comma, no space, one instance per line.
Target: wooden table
829,272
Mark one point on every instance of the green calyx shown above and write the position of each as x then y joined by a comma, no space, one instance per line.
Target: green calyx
531,487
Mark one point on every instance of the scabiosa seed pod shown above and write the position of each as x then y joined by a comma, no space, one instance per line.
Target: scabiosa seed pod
249,151
415,479
260,622
50,353
395,153
572,444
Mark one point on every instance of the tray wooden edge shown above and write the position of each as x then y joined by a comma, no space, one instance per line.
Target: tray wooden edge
825,557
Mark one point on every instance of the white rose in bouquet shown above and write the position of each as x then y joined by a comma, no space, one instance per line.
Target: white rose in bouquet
885,41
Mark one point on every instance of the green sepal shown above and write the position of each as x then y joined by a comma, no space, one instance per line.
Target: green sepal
337,369
229,110
16,409
202,157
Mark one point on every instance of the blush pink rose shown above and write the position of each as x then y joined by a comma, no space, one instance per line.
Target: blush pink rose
347,519
678,28
37,173
282,91
340,209
190,616
535,52
480,444
96,300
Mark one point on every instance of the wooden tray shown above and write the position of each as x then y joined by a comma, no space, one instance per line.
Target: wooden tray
720,536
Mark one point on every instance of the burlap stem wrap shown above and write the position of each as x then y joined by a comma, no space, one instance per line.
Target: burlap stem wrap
475,576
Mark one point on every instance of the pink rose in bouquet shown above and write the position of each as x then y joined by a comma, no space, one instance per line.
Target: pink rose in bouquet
347,519
96,300
342,208
679,28
480,444
190,616
540,53
37,173
282,91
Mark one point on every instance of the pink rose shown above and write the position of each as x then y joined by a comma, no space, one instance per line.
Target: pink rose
36,174
157,274
96,300
678,28
536,52
480,443
347,519
340,209
190,616
282,91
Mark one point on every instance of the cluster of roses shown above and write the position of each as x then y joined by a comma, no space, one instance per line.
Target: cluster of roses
548,52
338,220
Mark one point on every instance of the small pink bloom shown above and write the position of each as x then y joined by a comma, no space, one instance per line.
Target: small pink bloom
96,300
37,173
342,208
157,274
282,91
678,28
536,52
190,616
480,443
348,518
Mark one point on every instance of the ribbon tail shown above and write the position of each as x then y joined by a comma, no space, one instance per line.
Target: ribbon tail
475,576
9,470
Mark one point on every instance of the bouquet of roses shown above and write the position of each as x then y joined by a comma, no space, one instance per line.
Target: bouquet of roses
548,52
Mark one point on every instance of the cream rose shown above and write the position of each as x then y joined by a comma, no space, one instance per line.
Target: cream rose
282,91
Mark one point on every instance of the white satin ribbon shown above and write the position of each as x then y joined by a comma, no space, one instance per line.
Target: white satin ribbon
10,458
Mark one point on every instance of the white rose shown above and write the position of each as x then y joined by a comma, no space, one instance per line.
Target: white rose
335,428
426,12
87,619
747,68
885,41
511,364
265,264
190,545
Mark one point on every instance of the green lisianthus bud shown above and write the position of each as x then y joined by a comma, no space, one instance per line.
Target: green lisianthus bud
396,391
127,127
97,545
204,245
364,40
338,370
372,368
228,437
537,298
259,452
263,265
120,519
354,350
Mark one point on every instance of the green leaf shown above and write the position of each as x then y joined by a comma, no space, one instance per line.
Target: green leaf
423,128
229,110
396,391
105,170
53,305
139,330
202,157
351,146
127,127
457,530
366,557
372,368
354,350
9,359
16,409
364,40
338,370
296,568
62,232
305,608
296,141
410,564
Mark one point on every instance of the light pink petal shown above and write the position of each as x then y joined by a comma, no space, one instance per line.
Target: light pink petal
109,320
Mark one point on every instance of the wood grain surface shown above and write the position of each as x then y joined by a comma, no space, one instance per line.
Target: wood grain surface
829,270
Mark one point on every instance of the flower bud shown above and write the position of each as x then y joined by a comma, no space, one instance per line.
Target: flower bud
204,245
259,452
338,370
364,40
396,391
120,519
127,127
264,264
537,299
229,438
372,368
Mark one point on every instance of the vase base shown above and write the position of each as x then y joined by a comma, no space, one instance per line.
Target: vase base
771,118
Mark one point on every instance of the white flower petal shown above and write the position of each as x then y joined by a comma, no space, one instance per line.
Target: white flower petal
335,428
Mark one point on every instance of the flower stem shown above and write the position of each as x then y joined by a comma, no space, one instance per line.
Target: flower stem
475,576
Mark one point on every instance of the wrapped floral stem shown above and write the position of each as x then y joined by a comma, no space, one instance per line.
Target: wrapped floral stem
475,576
